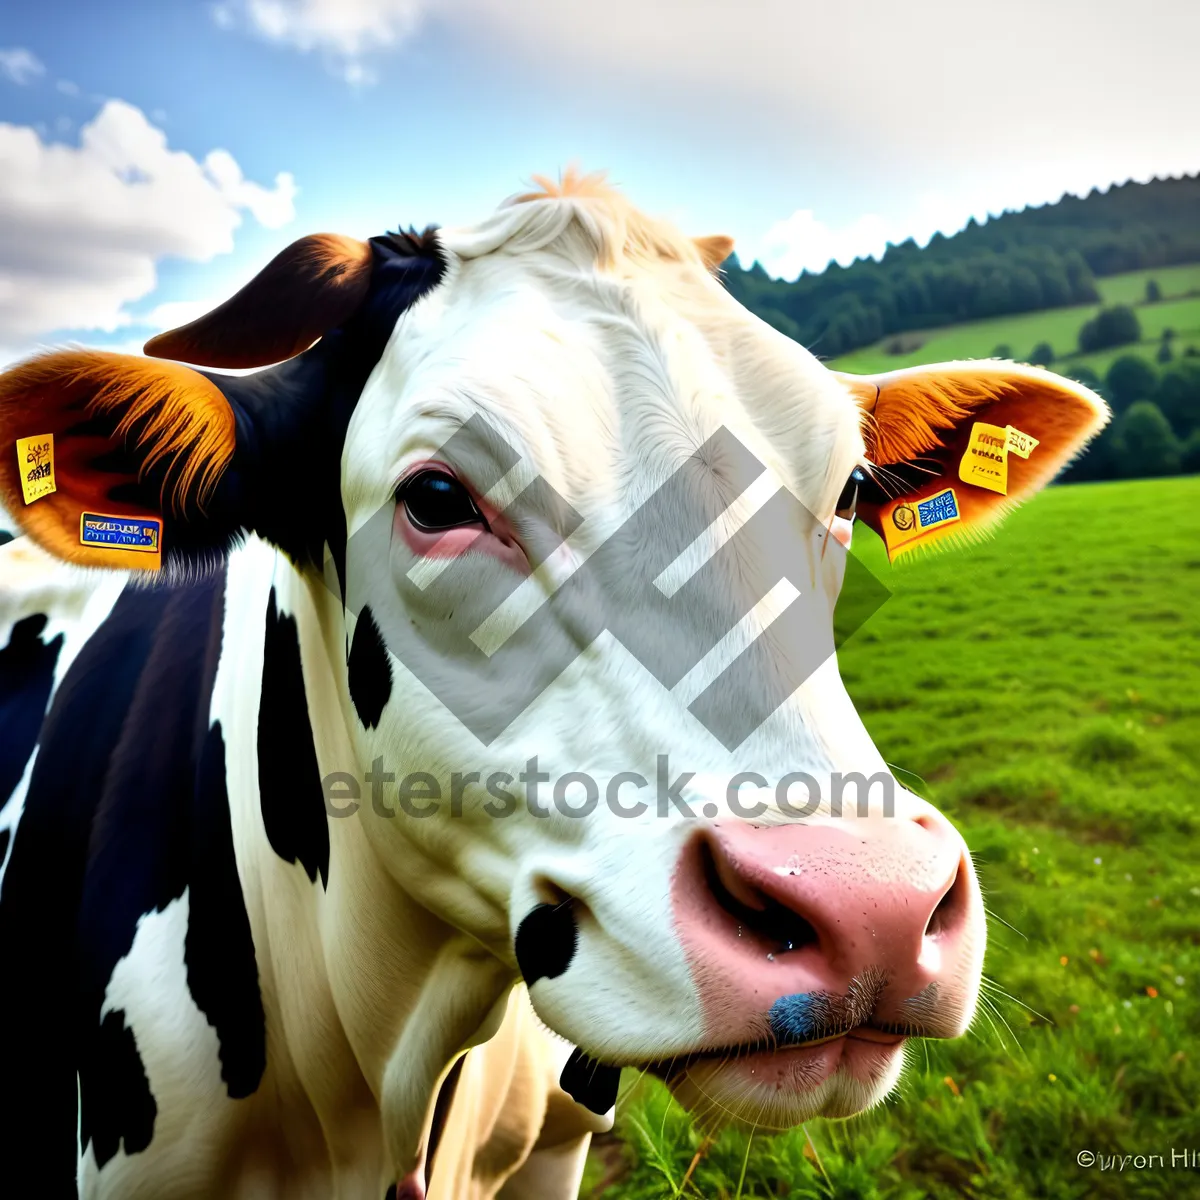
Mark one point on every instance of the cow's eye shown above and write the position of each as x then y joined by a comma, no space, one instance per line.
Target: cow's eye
435,500
848,500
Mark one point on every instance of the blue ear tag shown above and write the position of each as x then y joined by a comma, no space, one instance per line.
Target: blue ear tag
904,522
108,532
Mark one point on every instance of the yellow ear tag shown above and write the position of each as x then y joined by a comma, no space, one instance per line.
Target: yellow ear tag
907,521
35,458
1021,444
985,461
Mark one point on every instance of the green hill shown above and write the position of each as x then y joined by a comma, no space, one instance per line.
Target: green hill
1178,310
1020,262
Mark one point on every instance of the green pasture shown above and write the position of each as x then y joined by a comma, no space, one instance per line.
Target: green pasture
1130,288
1179,309
1043,688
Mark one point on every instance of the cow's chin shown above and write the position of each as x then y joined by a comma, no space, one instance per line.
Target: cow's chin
778,1089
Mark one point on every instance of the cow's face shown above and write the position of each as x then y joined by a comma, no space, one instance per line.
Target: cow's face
567,662
591,523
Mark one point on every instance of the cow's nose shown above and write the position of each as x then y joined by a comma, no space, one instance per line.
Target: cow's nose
874,909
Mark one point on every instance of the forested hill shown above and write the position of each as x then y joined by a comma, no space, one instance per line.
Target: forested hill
1038,258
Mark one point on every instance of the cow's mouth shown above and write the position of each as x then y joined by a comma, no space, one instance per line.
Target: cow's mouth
669,1068
778,1086
765,1083
791,1053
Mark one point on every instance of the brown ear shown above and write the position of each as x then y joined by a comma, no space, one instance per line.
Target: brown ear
714,249
124,439
988,433
302,293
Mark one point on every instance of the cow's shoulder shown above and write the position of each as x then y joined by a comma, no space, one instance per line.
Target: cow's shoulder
124,821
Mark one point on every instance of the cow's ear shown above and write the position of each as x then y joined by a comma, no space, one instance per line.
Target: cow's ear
313,286
100,452
955,445
714,249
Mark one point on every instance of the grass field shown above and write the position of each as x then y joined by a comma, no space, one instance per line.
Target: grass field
1178,310
1045,687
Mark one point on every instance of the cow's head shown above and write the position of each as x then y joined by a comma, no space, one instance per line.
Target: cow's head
558,482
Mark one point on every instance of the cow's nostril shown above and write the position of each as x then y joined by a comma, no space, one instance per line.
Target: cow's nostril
952,907
758,913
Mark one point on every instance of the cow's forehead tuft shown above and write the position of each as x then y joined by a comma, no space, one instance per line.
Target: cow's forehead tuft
582,219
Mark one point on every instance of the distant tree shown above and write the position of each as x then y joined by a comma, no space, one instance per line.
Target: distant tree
1153,291
1039,258
1189,458
1004,350
1165,353
1117,326
1098,461
1145,443
1178,397
1129,379
1042,355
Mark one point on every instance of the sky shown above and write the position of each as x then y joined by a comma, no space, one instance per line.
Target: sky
154,155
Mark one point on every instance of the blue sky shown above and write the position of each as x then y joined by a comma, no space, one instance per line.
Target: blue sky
153,155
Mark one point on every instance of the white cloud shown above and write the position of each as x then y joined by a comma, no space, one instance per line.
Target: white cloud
173,313
82,228
271,207
67,87
346,31
19,65
804,242
998,109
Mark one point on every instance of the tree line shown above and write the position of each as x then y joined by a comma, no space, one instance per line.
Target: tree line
1155,428
1045,257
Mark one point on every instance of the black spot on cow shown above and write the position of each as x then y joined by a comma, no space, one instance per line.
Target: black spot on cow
546,941
370,670
5,537
590,1083
4,836
219,950
115,1091
289,779
26,677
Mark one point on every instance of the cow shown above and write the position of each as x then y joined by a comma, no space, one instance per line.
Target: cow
297,575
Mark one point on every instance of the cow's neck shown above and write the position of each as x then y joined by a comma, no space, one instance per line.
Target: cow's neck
389,993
